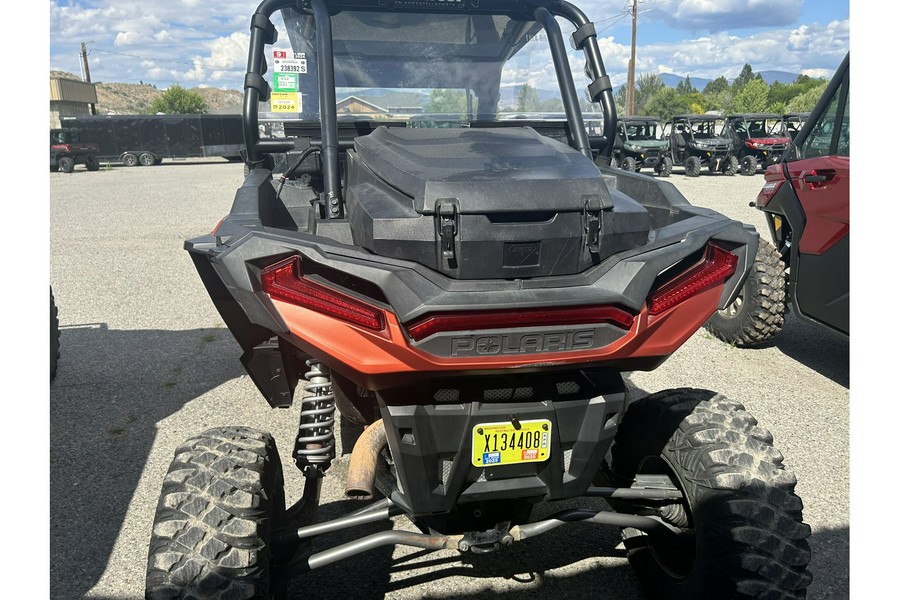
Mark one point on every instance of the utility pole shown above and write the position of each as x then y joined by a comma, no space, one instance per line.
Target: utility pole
84,61
87,71
629,90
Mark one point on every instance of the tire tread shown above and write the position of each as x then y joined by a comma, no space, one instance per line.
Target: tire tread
764,307
213,518
751,518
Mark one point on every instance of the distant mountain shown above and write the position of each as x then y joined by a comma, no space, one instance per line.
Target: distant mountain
672,80
771,77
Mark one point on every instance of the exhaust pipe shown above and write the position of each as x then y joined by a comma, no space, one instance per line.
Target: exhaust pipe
360,483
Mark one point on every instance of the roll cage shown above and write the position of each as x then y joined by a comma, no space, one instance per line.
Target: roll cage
310,25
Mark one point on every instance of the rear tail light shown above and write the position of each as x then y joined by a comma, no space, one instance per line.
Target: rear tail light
428,325
774,180
717,265
285,281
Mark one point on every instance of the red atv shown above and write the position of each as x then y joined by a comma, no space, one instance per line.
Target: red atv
467,298
806,199
66,151
759,139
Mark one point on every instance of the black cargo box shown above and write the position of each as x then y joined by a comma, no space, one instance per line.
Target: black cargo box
486,203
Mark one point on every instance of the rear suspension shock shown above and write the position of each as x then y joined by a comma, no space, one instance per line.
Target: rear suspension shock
315,443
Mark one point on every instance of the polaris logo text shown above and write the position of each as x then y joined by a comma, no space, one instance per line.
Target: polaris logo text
526,343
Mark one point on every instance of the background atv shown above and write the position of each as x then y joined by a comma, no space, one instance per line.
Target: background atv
759,139
640,144
806,199
465,301
793,123
697,142
66,151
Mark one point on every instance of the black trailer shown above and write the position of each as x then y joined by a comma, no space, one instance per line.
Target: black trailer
148,139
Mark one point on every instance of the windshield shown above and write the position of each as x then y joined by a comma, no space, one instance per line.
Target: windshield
641,130
64,136
430,69
760,127
708,128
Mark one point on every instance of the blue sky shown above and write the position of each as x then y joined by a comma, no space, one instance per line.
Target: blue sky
201,43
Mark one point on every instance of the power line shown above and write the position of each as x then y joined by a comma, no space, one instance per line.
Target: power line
617,19
167,60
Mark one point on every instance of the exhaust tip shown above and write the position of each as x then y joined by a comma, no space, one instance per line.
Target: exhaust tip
360,482
358,494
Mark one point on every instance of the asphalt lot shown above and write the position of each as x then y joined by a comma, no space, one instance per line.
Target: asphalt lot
146,362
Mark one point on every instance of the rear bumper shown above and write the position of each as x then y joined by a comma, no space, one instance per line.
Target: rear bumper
432,444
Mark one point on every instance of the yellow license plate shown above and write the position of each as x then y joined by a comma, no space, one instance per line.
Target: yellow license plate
497,444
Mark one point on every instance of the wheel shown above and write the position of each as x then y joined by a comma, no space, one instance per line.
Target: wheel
741,525
147,159
220,501
91,163
66,164
749,165
629,164
664,167
731,166
129,159
54,336
692,166
757,313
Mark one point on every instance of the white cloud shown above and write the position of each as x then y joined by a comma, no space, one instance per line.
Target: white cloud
128,38
226,56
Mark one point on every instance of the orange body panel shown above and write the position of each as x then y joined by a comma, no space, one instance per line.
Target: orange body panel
389,352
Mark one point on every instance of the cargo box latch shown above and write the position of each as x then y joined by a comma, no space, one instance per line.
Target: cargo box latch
592,217
448,226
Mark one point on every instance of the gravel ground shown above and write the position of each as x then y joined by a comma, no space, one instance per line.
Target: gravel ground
146,362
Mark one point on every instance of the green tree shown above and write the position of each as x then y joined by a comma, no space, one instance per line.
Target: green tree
685,86
178,101
780,93
527,100
446,101
716,86
666,103
696,102
646,86
745,77
806,101
753,96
